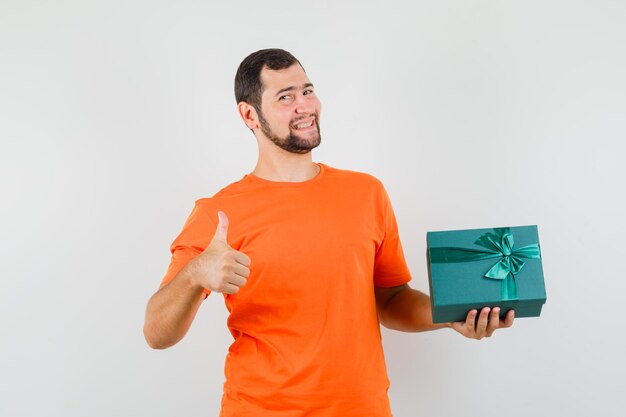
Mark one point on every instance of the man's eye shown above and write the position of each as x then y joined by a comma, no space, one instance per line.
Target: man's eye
307,92
283,98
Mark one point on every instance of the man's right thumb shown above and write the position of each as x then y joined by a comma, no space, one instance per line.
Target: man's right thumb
221,233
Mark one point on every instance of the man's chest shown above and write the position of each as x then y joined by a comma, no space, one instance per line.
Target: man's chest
297,243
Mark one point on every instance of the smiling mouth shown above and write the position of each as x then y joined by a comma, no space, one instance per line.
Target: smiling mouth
303,125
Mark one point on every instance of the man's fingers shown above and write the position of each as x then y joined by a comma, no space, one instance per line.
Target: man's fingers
229,289
237,280
470,321
494,321
242,259
508,320
481,326
231,284
221,233
241,270
229,268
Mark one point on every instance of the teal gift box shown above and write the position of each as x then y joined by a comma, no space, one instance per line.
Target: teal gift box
476,268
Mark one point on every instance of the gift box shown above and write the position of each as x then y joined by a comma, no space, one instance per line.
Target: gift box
476,268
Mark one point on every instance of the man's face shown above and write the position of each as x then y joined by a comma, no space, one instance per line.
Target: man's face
290,110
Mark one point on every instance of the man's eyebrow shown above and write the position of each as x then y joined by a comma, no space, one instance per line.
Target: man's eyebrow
291,88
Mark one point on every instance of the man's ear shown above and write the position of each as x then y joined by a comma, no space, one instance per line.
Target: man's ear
248,115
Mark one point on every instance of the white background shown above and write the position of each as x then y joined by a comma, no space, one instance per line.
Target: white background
115,116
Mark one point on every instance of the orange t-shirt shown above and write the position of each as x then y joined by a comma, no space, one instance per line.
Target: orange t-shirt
307,337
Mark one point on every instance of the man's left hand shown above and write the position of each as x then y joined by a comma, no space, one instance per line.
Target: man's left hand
485,324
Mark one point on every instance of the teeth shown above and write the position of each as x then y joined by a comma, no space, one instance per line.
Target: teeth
304,125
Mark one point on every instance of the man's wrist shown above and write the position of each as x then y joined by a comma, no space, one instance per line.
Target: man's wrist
189,278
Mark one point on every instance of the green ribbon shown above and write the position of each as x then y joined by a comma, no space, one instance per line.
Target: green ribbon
499,244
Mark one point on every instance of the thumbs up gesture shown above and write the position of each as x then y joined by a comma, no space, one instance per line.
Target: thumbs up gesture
221,268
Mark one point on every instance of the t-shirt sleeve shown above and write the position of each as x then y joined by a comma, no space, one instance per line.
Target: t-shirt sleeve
390,268
192,241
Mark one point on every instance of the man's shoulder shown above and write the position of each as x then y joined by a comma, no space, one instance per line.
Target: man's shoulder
231,190
358,177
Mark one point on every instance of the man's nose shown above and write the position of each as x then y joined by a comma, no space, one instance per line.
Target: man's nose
303,105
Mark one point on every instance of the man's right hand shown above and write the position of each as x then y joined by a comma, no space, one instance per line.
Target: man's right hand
220,268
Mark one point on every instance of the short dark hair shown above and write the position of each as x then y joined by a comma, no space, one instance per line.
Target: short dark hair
248,86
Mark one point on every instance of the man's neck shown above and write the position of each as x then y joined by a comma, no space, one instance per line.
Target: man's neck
286,168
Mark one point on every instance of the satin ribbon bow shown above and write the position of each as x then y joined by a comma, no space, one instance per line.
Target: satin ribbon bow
499,244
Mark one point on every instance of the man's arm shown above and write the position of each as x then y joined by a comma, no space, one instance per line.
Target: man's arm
172,308
171,311
405,309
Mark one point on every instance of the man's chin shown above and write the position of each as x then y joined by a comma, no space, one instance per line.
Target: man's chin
312,141
295,143
305,144
301,148
309,146
299,151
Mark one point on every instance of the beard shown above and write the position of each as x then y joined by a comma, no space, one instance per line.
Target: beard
292,142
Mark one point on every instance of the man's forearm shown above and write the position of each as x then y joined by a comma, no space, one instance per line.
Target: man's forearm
408,311
171,311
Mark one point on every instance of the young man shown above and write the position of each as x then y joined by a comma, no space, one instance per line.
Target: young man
309,261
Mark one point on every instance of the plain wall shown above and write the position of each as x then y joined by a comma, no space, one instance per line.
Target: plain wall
115,116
